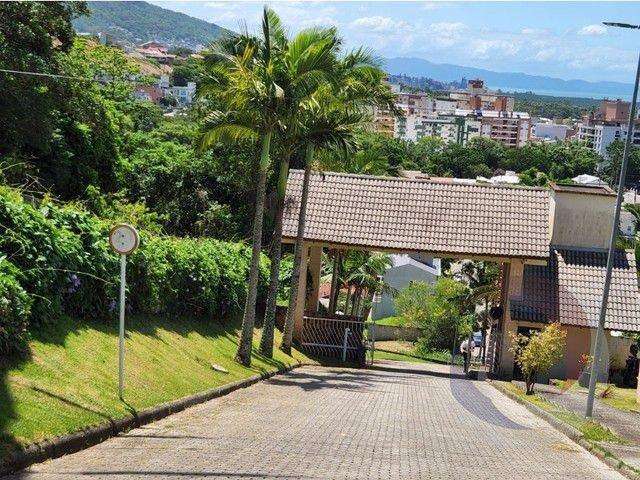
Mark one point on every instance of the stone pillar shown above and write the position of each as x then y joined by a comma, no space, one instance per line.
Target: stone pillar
302,289
509,327
315,268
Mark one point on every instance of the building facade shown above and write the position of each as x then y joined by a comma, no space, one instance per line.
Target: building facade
464,114
608,124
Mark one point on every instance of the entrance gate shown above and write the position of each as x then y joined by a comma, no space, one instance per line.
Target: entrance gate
349,339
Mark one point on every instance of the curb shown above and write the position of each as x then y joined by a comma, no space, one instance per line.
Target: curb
572,433
76,441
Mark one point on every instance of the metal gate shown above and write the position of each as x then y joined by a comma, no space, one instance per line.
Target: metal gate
348,339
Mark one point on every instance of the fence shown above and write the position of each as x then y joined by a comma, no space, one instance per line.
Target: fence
343,338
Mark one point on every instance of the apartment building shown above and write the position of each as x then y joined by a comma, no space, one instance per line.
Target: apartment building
478,97
457,118
608,124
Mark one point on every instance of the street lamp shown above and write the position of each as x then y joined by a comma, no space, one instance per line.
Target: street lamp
597,349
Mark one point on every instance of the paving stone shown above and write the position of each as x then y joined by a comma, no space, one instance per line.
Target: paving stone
397,421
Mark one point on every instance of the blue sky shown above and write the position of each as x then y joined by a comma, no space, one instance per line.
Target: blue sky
560,39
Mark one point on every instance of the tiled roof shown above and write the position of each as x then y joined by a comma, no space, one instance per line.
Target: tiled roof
417,215
570,288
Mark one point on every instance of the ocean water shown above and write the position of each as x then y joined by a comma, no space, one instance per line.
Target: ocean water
562,93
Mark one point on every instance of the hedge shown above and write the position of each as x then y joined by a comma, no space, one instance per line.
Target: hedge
61,264
15,307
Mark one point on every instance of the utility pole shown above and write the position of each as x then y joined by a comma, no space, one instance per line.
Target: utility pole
597,348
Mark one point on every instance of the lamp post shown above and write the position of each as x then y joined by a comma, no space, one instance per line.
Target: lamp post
597,348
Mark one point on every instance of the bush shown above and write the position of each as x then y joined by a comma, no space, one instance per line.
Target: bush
61,253
536,355
15,306
67,268
200,277
439,310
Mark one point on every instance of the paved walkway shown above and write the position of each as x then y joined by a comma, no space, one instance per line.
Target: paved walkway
398,421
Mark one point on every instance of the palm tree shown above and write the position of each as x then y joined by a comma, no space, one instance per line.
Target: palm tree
357,84
308,61
365,275
324,123
243,77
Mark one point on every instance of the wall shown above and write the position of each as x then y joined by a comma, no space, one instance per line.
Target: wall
398,278
581,220
386,332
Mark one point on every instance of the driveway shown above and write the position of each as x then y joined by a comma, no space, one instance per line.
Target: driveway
397,421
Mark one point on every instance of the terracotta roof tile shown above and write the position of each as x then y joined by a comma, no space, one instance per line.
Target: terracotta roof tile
570,289
408,214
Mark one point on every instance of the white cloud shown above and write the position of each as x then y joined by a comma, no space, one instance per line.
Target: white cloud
380,24
490,48
447,28
593,30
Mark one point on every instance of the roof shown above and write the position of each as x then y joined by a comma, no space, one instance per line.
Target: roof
400,214
583,188
569,290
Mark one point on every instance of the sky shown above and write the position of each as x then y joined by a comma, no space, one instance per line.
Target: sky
560,39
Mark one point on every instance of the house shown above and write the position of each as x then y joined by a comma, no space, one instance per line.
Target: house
156,51
183,95
412,267
550,243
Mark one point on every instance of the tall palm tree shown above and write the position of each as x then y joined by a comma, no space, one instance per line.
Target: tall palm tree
308,61
324,123
357,84
243,77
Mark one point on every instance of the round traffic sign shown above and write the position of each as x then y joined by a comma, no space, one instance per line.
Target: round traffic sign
123,239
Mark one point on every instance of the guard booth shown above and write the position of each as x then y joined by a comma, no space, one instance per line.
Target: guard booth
549,243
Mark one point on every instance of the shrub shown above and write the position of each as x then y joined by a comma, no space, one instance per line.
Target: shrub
536,355
62,256
61,264
439,310
195,276
15,307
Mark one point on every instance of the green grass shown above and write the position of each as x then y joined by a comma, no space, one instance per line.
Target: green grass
70,380
399,357
407,350
621,398
589,429
391,321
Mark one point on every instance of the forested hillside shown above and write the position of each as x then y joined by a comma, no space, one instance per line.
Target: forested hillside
139,22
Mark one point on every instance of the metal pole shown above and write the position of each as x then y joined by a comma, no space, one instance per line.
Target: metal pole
123,273
344,344
597,348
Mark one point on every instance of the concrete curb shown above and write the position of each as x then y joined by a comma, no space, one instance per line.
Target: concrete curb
76,441
571,432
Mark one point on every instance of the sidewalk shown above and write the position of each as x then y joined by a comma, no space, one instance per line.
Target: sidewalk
625,424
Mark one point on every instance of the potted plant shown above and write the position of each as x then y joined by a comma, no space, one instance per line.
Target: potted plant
585,363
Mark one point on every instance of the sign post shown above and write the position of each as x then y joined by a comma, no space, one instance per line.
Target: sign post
123,240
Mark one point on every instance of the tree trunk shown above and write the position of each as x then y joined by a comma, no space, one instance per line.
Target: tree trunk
334,283
287,336
248,320
266,341
346,300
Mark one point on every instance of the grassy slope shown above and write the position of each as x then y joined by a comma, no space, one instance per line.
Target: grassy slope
391,321
70,381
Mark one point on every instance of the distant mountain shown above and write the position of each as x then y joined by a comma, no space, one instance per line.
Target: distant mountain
139,22
445,72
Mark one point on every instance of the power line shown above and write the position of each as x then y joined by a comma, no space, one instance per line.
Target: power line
67,77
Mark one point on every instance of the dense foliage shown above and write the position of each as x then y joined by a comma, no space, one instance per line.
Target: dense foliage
15,308
439,310
59,256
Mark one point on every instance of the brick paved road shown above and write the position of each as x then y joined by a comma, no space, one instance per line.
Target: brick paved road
400,421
